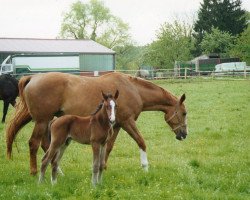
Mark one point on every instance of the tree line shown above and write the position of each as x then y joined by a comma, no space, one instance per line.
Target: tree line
222,27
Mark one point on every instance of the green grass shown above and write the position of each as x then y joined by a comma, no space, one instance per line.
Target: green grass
212,163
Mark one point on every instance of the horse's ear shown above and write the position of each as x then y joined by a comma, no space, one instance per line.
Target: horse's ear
182,99
116,94
105,97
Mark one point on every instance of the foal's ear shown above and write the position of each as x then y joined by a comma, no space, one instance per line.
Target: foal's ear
116,94
182,99
105,97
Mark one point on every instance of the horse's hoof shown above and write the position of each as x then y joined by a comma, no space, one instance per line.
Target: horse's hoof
9,156
33,173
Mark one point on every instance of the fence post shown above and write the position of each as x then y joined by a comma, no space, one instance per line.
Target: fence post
245,72
185,73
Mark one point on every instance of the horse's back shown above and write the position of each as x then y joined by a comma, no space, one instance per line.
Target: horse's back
51,93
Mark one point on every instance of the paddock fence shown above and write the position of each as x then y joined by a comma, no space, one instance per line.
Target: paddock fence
187,73
156,74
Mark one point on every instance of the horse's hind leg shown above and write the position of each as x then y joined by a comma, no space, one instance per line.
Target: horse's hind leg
45,142
5,110
34,142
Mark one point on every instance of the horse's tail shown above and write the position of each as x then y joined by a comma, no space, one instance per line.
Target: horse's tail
20,118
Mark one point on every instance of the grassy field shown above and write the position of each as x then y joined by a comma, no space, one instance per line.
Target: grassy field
212,163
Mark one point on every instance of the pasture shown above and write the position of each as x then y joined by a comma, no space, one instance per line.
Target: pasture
212,163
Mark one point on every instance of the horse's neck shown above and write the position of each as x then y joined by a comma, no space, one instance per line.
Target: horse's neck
154,98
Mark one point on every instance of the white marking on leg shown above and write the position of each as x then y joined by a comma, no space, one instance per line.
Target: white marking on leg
144,160
40,180
94,179
60,171
53,182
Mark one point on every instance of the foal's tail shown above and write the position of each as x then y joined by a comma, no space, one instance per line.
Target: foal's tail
20,118
49,128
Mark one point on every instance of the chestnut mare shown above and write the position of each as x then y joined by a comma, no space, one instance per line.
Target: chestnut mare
95,130
43,96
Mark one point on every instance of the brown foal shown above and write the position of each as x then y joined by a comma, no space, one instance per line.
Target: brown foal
95,130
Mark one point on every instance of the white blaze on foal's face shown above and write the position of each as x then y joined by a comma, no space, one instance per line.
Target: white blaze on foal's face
112,116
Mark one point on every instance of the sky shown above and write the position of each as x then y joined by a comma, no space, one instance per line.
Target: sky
42,18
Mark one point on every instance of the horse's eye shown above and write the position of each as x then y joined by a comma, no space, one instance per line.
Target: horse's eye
184,114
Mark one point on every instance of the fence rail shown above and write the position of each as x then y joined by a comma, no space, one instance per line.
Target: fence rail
182,73
185,73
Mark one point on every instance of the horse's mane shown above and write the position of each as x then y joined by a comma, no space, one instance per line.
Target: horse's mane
152,86
142,82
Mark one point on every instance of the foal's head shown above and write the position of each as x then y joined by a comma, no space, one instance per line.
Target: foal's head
110,105
176,117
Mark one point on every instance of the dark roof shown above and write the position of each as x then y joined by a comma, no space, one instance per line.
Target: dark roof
29,45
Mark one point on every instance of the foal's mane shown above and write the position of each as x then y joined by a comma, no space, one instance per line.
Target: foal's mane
99,107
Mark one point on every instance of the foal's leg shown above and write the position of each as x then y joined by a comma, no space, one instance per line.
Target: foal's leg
34,142
54,165
110,144
96,162
62,150
102,162
50,154
5,110
132,130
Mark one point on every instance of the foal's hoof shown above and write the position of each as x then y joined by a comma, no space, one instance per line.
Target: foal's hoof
53,182
59,171
145,168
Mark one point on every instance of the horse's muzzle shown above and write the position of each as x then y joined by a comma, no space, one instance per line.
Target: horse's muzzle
181,135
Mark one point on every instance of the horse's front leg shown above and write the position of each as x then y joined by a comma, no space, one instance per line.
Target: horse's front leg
130,127
96,162
102,162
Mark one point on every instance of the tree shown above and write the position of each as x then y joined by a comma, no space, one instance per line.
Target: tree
174,42
129,57
94,21
226,15
217,42
242,47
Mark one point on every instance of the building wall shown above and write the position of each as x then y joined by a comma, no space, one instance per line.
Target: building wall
94,62
3,56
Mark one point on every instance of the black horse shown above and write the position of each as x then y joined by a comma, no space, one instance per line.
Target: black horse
8,92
